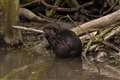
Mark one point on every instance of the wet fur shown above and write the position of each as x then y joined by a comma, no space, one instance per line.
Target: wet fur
64,42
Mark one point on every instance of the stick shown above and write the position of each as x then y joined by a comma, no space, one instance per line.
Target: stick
28,29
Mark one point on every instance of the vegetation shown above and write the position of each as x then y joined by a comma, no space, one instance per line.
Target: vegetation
95,22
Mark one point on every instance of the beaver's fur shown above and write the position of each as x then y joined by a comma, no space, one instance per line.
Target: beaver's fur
64,42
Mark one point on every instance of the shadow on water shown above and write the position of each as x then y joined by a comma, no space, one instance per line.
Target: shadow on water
23,64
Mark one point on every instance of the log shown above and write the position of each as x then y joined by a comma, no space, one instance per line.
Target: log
97,24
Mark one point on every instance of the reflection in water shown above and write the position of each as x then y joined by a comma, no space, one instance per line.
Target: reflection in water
25,65
66,69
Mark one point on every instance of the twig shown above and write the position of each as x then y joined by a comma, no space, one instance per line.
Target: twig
32,2
84,54
28,29
112,33
63,9
111,46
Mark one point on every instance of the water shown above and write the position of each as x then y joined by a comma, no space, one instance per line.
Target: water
24,64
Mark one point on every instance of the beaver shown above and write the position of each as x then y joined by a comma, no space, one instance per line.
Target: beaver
65,43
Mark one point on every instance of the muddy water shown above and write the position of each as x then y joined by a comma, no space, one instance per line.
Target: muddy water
24,64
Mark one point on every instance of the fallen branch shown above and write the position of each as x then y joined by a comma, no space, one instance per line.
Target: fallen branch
111,46
97,24
64,9
30,3
28,29
31,16
113,32
58,8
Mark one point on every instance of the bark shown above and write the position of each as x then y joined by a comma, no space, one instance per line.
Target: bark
97,24
10,14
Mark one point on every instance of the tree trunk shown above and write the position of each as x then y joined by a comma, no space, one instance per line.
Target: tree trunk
10,18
